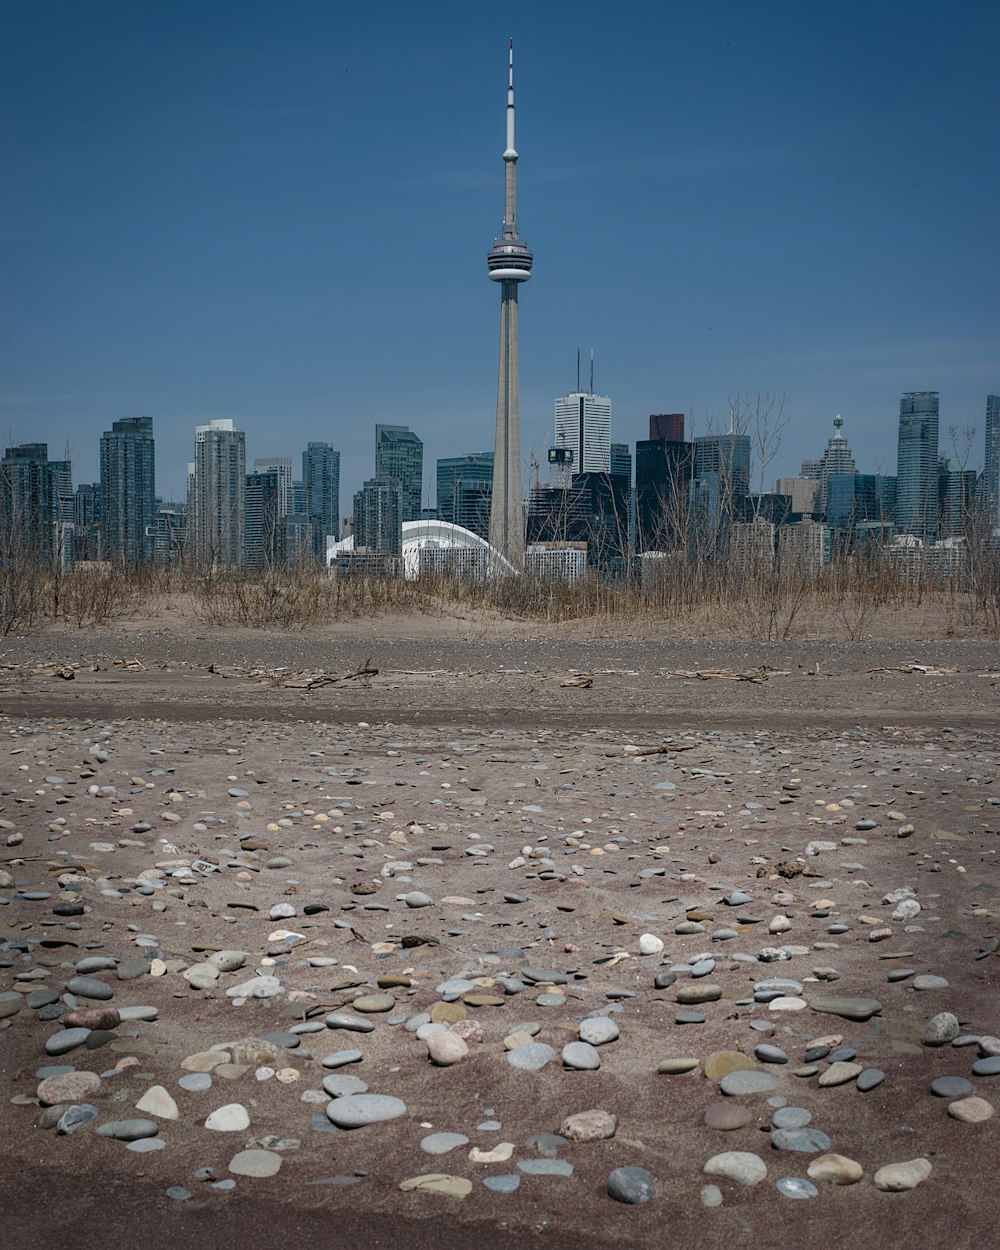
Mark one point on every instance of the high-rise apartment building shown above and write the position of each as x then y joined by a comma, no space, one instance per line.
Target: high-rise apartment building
282,465
26,508
87,521
128,491
991,468
917,465
262,518
399,454
321,479
378,517
663,469
217,486
583,426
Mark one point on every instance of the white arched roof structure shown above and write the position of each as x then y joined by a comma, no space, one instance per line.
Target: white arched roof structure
441,534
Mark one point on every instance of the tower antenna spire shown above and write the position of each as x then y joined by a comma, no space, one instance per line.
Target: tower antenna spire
509,263
591,371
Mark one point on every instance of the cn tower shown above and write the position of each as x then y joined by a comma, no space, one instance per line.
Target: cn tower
509,263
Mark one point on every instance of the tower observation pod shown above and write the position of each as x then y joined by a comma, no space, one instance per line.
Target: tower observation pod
509,263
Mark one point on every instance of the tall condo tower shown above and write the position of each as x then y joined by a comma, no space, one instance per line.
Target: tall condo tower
509,263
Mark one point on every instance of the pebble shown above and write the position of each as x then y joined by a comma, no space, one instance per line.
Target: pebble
505,1184
973,1110
737,1165
340,1058
791,1117
674,1067
727,1116
353,1024
66,1040
895,1177
442,1143
584,1126
987,1067
940,1029
859,1009
156,1101
255,1163
546,1167
231,1118
438,1183
69,1087
579,1056
530,1056
840,1073
446,1048
598,1031
869,1079
359,1110
128,1130
631,1185
835,1169
803,1140
72,1118
950,1086
748,1082
795,1187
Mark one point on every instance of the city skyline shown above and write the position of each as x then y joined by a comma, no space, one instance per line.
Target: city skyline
763,210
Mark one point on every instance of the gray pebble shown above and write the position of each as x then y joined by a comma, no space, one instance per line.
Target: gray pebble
631,1185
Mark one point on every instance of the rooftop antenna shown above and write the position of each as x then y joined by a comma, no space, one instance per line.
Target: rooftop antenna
591,371
578,371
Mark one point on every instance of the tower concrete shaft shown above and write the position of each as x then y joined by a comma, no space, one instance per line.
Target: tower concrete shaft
509,263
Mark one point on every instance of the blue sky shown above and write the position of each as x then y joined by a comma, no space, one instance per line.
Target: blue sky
279,213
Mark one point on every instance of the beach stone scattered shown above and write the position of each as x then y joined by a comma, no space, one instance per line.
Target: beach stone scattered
580,1056
446,1048
530,1056
231,1118
739,1166
631,1185
675,1067
802,1140
972,1110
73,1117
869,1079
840,1073
598,1030
91,1018
505,1184
546,1167
442,1143
723,1061
748,1082
156,1101
584,1126
128,1130
374,1003
989,1066
950,1086
795,1187
340,1058
940,1029
895,1177
359,1110
438,1183
71,1087
727,1116
791,1117
63,1042
930,983
259,1163
860,1009
835,1169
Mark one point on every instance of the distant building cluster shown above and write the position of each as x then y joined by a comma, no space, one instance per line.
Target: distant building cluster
592,511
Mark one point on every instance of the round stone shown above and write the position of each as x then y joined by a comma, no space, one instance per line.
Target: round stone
195,1082
940,1029
951,1086
770,1054
802,1140
972,1110
73,1117
417,898
869,1079
739,1166
631,1185
156,1101
723,1061
354,1024
859,1009
531,1056
598,1031
840,1073
342,1057
835,1170
673,1067
66,1040
255,1163
581,1057
584,1126
748,1082
232,1118
727,1116
795,1187
72,1087
791,1117
505,1184
373,1003
90,987
650,944
895,1177
438,1183
930,983
441,1143
128,1130
987,1067
92,1018
337,1085
358,1110
446,1048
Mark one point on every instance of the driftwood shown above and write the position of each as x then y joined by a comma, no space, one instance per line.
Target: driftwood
725,674
583,683
669,749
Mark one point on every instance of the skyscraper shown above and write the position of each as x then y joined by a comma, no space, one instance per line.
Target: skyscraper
451,470
321,478
262,518
917,465
378,521
991,470
128,490
282,465
26,512
399,453
583,426
509,263
217,481
837,459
